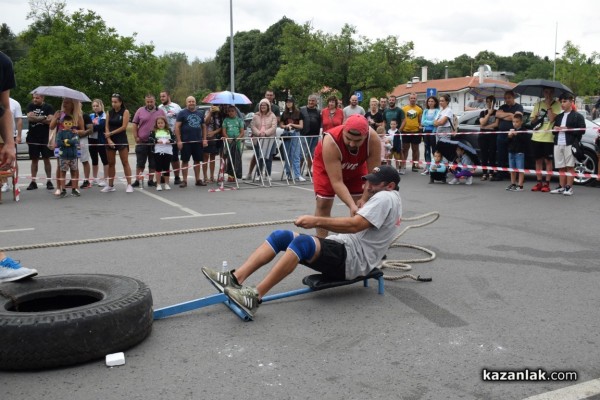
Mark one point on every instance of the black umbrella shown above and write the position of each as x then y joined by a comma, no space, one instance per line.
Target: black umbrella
448,149
534,87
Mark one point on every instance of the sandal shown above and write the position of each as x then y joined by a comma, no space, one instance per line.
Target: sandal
183,184
200,183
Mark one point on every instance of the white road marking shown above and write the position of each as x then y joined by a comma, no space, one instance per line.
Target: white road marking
575,392
17,230
192,213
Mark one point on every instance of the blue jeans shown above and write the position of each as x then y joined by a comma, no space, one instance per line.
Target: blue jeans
291,143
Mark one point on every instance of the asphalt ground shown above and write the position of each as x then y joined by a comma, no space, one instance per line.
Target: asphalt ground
515,286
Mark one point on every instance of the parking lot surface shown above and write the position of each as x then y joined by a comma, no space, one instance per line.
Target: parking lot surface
515,286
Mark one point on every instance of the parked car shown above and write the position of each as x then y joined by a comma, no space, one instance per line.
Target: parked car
469,122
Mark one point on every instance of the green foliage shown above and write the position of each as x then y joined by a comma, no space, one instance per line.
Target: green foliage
313,61
81,52
577,71
9,44
257,60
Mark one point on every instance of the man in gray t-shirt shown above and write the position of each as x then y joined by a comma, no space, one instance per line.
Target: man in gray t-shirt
359,246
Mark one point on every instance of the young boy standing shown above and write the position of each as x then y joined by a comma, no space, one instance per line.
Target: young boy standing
517,145
68,143
396,140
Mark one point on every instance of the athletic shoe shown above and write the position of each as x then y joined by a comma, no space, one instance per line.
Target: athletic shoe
33,185
518,189
167,187
402,171
101,183
151,183
511,187
221,280
538,187
108,188
469,180
415,168
177,180
136,184
159,188
246,298
301,179
129,189
425,172
545,188
11,270
454,181
248,177
558,190
5,187
49,186
568,191
75,193
85,185
484,177
63,193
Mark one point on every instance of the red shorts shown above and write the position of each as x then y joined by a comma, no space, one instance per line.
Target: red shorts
352,180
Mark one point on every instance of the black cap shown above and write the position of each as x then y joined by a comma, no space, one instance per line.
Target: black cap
290,99
384,173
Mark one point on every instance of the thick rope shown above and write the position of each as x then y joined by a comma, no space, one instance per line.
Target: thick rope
143,235
398,265
403,265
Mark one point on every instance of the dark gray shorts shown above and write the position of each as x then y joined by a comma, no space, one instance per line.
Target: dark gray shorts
331,261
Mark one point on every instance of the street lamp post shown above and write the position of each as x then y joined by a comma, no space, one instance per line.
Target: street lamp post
232,69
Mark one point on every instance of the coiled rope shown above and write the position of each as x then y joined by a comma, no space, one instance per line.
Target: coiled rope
397,265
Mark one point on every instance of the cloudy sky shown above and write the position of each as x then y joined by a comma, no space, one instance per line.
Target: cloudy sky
439,30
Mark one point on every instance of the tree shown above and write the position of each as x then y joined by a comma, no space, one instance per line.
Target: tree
43,13
313,61
577,71
9,44
83,53
171,64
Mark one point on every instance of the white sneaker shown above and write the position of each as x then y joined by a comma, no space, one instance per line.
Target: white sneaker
558,190
167,187
454,181
5,187
129,189
107,189
402,171
11,270
301,179
159,188
568,192
101,183
469,180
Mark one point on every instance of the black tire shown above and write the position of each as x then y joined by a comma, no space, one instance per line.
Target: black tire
588,166
68,319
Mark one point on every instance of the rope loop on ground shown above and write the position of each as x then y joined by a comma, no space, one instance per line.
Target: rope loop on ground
403,265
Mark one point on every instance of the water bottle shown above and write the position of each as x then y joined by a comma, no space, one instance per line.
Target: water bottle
224,268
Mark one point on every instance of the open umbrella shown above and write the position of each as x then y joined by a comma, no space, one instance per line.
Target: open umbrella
448,149
226,97
60,91
489,89
534,87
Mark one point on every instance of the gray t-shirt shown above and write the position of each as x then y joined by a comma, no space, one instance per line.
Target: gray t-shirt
365,249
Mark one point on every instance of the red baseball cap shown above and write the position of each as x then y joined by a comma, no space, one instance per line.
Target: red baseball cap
357,123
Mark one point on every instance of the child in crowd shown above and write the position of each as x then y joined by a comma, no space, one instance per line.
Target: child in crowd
396,140
437,168
163,140
461,171
68,143
517,145
386,145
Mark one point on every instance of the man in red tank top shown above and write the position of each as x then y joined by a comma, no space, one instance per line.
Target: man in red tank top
341,159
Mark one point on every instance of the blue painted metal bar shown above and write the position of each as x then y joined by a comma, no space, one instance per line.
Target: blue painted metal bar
237,310
381,288
283,295
190,305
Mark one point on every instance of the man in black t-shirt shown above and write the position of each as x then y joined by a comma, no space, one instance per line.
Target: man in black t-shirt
39,115
311,115
505,116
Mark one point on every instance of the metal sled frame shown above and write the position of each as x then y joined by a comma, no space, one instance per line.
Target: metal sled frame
314,283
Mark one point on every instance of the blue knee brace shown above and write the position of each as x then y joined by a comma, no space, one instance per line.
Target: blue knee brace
304,247
280,239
